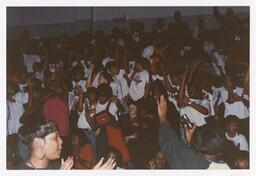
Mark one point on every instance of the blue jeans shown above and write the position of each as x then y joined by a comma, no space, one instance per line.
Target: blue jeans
91,137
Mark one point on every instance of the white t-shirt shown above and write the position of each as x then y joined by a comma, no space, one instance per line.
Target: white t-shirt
220,61
117,88
131,68
172,96
195,116
95,82
148,52
208,46
214,165
209,97
86,69
240,140
138,84
15,111
29,60
123,82
223,95
237,108
112,109
82,121
39,75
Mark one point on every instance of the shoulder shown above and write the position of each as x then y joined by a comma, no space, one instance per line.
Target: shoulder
23,166
241,136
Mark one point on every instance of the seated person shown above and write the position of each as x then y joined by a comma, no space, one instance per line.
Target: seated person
232,134
84,156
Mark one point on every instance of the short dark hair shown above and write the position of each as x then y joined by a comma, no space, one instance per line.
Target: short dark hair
91,90
111,64
36,128
209,139
106,76
81,136
104,90
231,119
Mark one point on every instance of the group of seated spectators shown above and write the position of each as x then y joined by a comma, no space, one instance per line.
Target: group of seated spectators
173,98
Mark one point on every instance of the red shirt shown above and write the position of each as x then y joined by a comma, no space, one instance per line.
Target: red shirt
56,109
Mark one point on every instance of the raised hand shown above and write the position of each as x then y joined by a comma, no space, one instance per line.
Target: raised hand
189,133
91,67
108,165
68,164
162,109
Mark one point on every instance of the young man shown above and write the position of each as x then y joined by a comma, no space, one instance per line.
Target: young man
139,81
233,134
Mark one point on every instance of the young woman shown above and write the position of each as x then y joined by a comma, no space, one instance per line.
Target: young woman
45,146
84,156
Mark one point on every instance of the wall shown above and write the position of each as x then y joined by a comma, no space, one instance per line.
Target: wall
51,21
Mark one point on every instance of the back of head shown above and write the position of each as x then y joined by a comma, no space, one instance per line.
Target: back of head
231,119
210,140
104,90
36,128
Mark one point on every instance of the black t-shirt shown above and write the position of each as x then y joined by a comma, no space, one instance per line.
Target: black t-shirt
53,165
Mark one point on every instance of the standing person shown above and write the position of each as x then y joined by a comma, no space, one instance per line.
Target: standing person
86,111
55,108
208,144
139,81
179,30
15,107
110,134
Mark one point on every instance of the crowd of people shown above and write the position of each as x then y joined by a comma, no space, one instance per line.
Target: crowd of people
172,98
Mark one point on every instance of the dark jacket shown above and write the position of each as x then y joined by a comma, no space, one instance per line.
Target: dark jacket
177,154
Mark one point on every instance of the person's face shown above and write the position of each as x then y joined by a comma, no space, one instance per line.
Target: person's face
75,140
52,146
138,67
115,70
232,128
177,16
160,161
132,110
78,76
103,99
